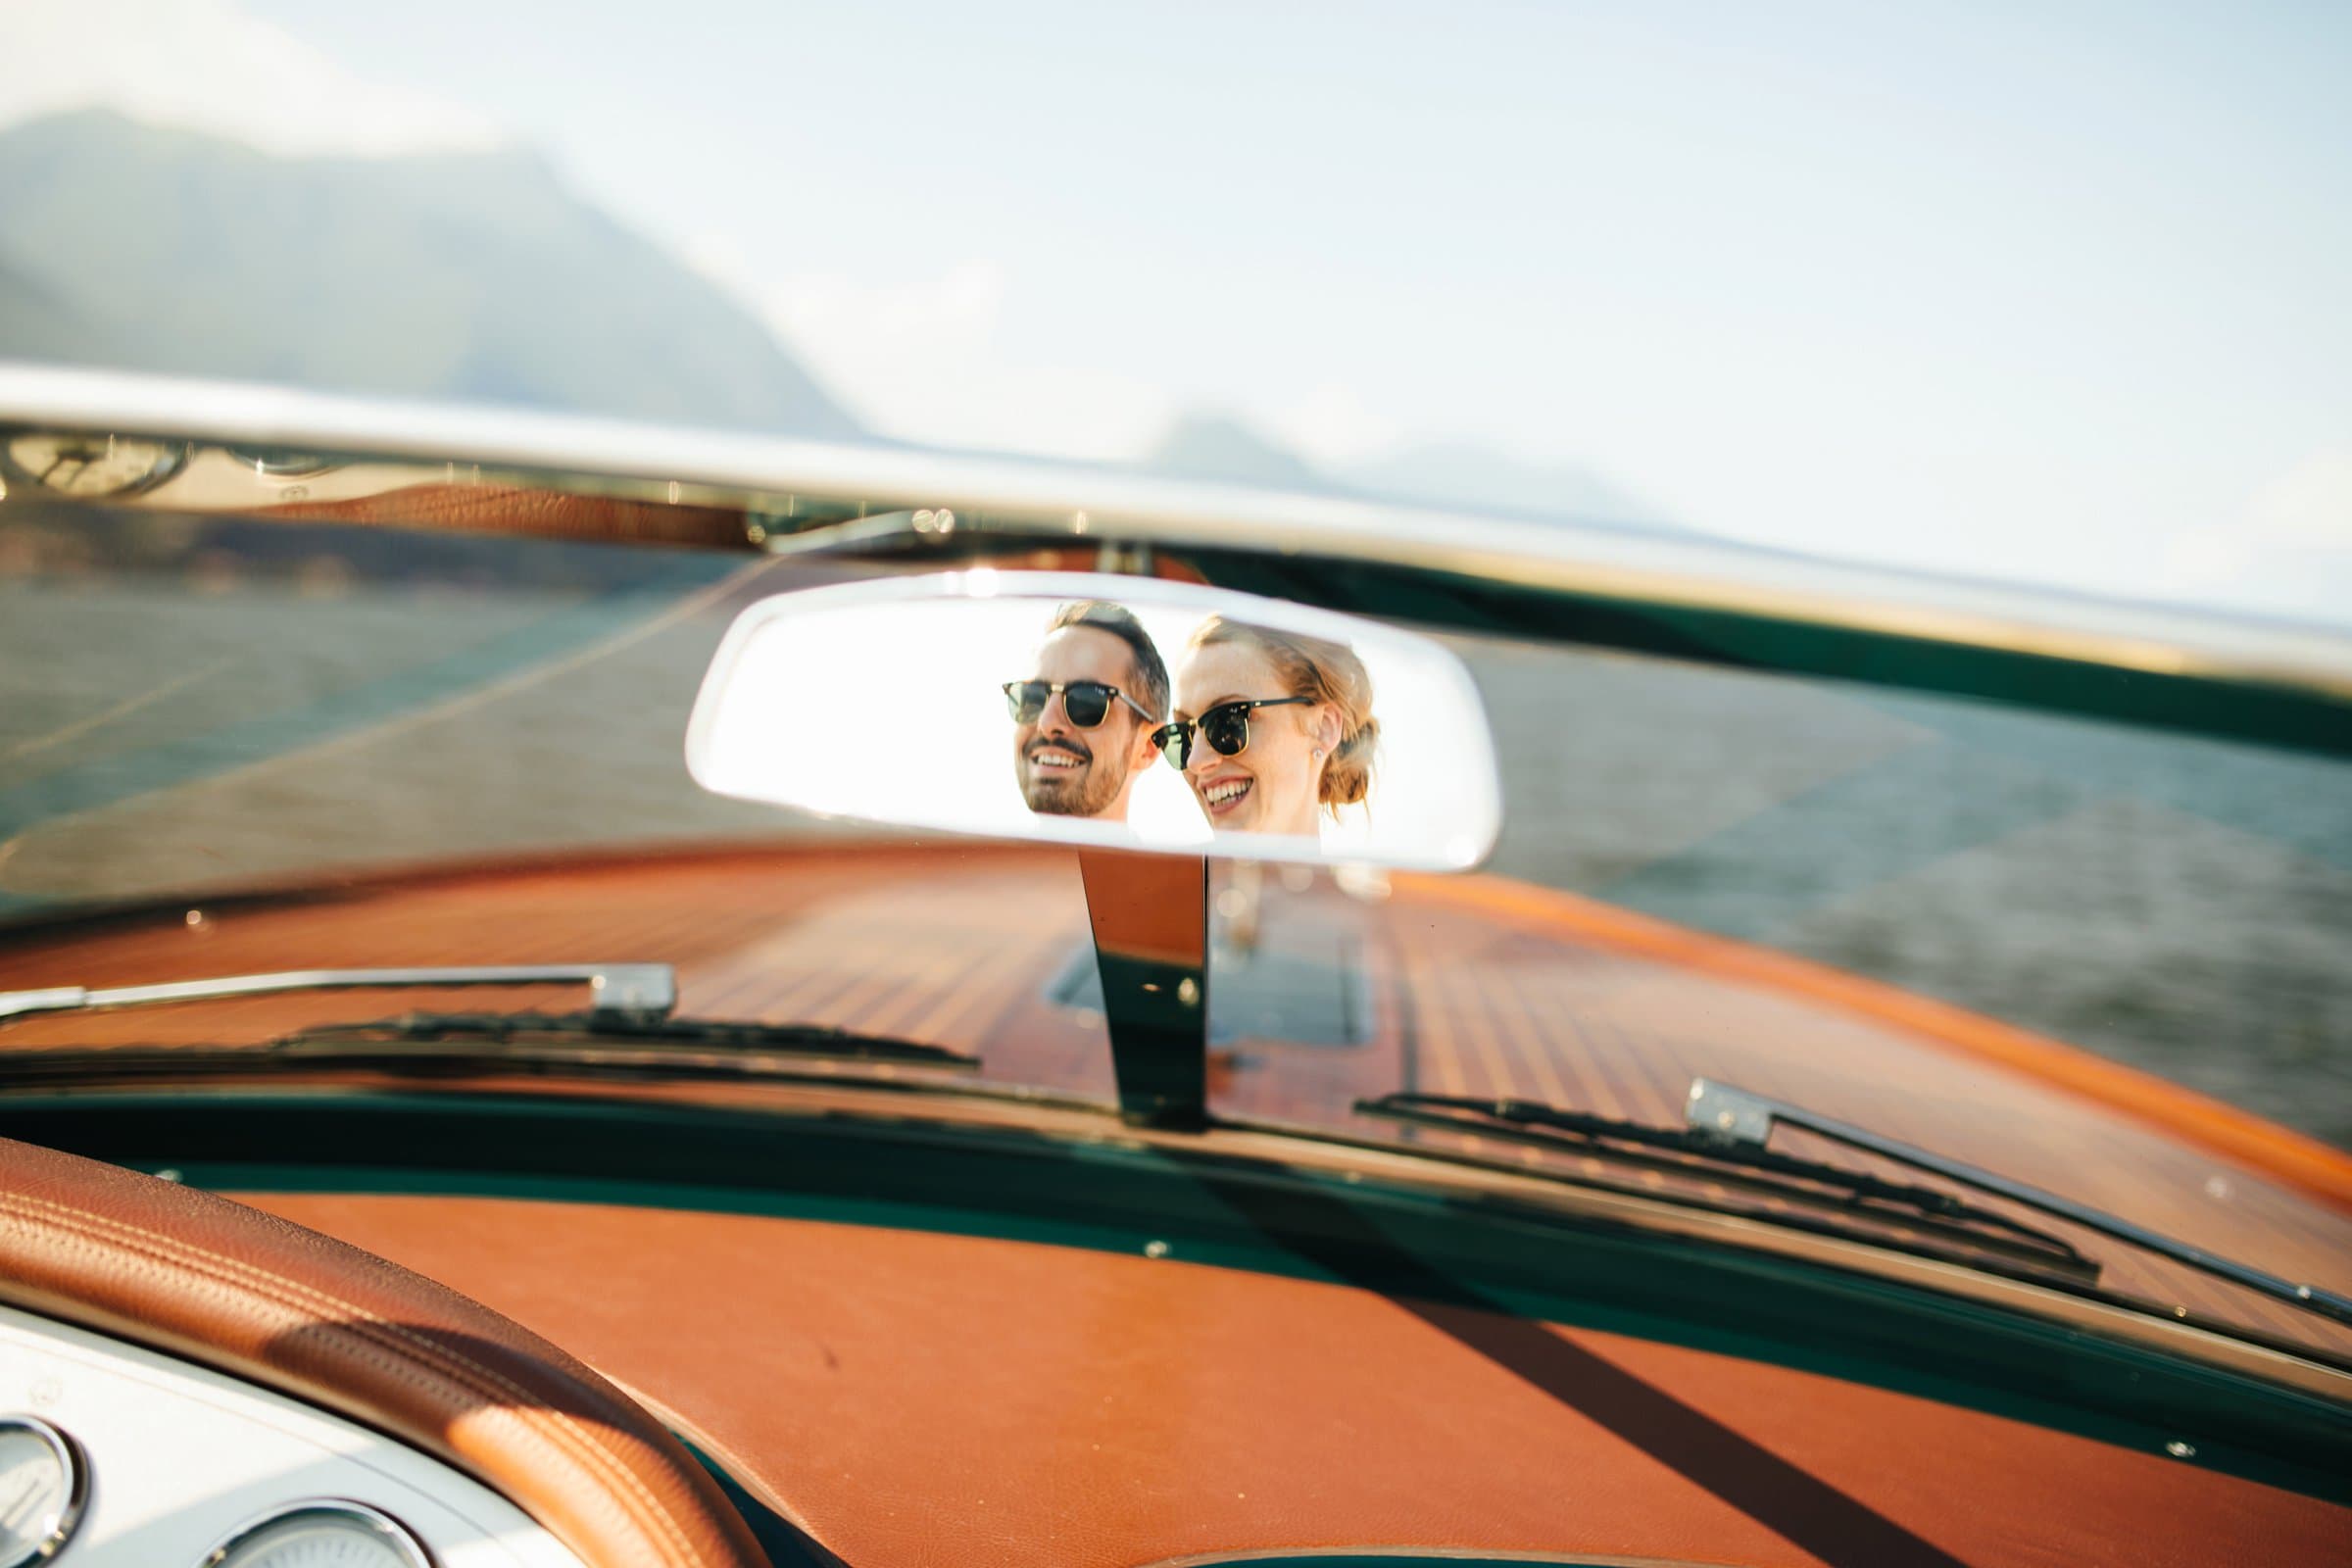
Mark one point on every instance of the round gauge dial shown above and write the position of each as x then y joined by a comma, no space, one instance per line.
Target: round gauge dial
93,466
321,1535
43,1485
283,462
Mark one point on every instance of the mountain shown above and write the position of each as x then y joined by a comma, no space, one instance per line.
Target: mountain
35,324
1473,478
1213,447
1451,476
469,276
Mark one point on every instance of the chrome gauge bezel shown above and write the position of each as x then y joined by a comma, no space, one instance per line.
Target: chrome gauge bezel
376,1521
77,1488
171,458
283,462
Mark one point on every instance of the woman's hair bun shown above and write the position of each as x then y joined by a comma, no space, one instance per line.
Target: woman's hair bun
1347,776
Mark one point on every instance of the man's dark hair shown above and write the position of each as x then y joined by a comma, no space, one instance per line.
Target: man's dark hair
1151,674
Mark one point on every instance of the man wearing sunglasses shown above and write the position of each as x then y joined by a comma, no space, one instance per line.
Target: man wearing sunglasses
1083,722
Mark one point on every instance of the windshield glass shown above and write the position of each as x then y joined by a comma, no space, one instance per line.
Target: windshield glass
233,746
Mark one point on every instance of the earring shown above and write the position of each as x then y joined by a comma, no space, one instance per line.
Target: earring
1318,750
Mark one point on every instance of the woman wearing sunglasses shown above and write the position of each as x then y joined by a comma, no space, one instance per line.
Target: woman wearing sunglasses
1271,727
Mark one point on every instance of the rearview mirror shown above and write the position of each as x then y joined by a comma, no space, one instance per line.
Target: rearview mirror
1101,711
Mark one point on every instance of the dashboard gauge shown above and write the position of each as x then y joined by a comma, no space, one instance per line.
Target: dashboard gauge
283,462
43,1485
321,1535
94,467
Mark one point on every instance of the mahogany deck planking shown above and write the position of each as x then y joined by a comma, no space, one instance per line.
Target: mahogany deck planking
958,945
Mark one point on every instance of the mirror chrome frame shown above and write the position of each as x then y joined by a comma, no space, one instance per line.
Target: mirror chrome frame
1484,790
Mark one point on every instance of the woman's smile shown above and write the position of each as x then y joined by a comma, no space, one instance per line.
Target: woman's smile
1224,795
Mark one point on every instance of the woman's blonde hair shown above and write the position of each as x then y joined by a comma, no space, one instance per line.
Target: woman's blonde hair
1324,672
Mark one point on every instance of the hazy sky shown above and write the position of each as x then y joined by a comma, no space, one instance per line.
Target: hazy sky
2050,291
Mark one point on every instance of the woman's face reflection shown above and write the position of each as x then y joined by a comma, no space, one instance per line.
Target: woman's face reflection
1271,787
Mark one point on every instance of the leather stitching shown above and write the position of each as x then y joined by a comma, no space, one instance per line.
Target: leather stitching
454,1365
406,1364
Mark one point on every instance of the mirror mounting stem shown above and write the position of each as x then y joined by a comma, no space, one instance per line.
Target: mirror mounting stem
1149,914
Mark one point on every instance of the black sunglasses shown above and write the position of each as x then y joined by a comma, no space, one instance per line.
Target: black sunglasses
1226,728
1086,702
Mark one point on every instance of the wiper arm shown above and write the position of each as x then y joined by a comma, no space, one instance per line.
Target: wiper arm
629,1003
702,1034
1684,1152
617,991
1736,1119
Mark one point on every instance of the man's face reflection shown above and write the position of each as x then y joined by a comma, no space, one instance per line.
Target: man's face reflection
1068,772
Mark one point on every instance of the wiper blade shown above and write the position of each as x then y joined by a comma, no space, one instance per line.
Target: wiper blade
428,1045
617,991
1690,1154
796,1040
1736,1119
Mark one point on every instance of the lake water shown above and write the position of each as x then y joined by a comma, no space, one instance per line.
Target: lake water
2178,905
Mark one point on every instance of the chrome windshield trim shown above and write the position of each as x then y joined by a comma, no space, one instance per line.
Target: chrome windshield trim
1108,504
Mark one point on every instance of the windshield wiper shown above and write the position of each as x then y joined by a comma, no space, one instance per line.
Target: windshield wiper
435,1045
1739,1119
618,991
529,1028
628,1024
1698,1155
1729,1127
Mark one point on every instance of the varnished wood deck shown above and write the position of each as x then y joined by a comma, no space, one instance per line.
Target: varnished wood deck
1476,988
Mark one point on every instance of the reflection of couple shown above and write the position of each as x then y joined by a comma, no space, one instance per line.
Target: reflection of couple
1283,722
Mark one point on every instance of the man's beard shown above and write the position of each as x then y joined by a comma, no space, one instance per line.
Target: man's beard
1087,790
